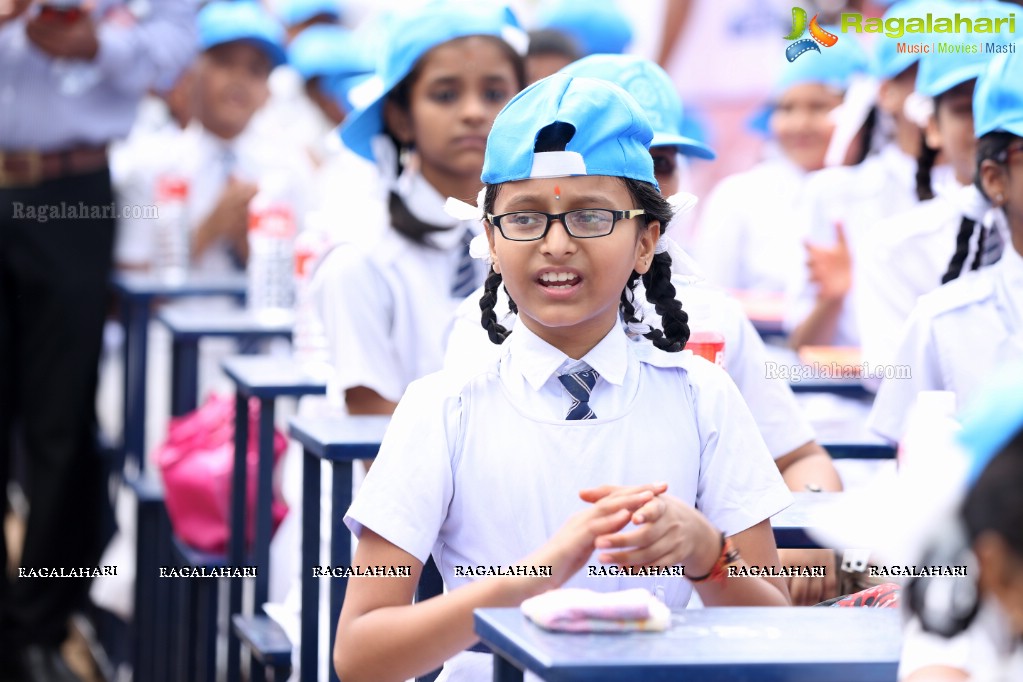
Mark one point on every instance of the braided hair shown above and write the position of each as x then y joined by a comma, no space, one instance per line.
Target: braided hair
989,147
656,281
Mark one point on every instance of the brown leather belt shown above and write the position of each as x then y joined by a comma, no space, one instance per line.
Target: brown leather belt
29,168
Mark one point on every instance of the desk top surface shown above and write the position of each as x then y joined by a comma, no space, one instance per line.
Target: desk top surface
713,643
340,438
145,284
270,376
191,323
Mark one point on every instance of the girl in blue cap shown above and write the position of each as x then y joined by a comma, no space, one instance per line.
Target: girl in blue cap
448,70
908,254
966,330
746,238
558,454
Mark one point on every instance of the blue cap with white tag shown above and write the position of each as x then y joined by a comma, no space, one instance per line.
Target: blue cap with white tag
941,71
223,22
410,36
652,88
998,98
567,125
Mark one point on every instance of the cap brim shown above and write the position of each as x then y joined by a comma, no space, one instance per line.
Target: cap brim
272,50
366,122
686,146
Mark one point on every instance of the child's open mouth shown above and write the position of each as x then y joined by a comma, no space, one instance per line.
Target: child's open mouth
559,280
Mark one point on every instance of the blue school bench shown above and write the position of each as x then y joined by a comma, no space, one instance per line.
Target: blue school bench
136,293
794,644
266,379
340,441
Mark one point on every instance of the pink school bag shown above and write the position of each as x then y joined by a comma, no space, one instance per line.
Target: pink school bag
197,460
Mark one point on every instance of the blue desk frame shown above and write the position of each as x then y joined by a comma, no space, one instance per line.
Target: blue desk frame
793,644
265,378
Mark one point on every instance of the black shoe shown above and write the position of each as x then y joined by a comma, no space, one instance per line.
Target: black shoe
41,663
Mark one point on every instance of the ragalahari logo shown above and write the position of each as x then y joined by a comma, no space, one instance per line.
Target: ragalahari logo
799,27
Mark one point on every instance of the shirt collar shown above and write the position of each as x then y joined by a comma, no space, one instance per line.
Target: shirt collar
536,360
427,204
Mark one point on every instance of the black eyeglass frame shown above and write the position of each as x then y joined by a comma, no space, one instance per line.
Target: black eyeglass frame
629,214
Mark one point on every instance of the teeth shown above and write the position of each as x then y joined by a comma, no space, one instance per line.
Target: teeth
558,277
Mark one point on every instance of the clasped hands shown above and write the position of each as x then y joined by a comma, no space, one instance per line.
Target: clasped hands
666,532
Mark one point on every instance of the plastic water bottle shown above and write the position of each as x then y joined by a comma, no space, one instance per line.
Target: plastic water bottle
172,247
74,76
705,337
272,227
309,339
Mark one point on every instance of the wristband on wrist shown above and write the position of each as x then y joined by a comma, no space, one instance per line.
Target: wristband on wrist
729,555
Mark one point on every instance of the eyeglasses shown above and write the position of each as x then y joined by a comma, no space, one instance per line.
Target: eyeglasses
582,223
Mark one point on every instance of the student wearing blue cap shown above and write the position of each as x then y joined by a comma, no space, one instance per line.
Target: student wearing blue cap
968,329
746,238
908,254
448,69
562,438
972,631
788,436
841,204
219,155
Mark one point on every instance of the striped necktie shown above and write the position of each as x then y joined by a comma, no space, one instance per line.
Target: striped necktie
579,385
464,282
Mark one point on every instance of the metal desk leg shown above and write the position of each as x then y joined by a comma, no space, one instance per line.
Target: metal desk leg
309,645
505,671
340,550
264,517
236,540
135,318
185,379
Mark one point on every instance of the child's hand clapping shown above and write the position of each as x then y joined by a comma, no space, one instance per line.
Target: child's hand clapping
670,532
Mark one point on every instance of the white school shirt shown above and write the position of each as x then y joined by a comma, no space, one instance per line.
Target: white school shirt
906,257
770,400
206,161
386,306
480,468
956,338
748,239
857,197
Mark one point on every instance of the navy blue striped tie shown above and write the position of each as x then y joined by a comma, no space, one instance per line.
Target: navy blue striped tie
465,275
579,385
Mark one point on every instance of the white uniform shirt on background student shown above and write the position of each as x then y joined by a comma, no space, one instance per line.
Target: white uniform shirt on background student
480,468
387,306
207,162
747,238
857,197
770,401
956,338
905,257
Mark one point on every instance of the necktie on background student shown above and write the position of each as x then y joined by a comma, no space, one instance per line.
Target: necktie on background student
465,282
579,385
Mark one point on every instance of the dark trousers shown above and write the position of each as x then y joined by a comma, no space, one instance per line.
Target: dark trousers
54,272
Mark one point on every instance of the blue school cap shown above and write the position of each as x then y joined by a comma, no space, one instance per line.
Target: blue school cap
293,12
888,62
834,67
652,88
601,129
596,27
410,36
940,72
993,419
226,22
998,98
329,50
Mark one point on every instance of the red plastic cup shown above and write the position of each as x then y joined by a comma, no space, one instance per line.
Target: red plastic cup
709,345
